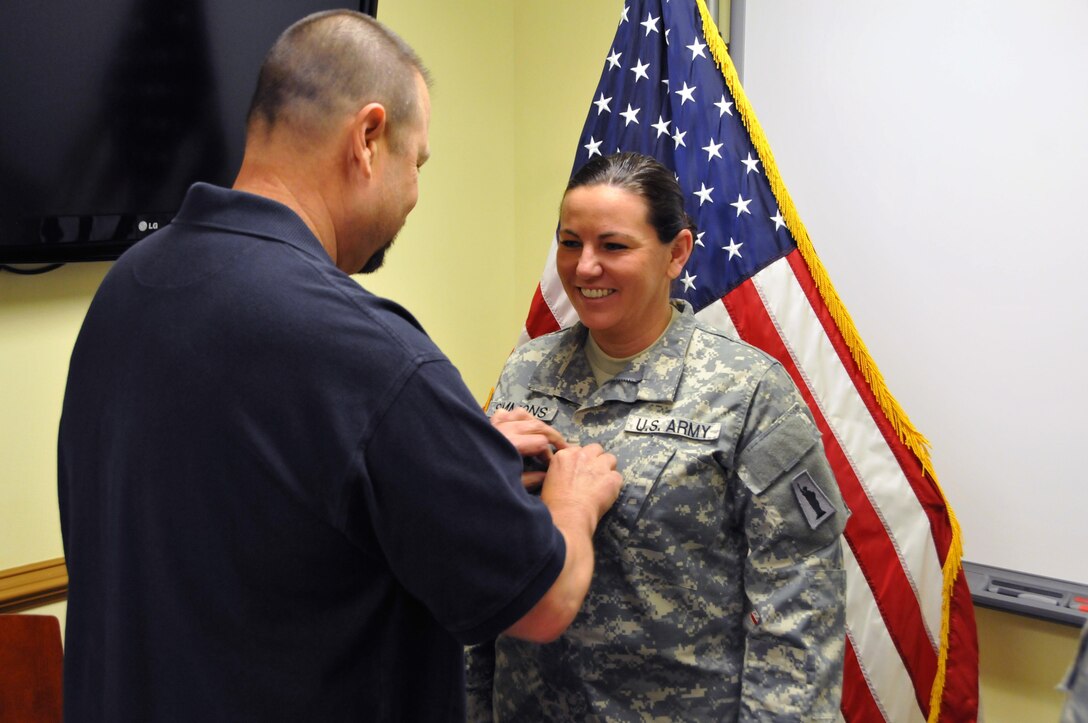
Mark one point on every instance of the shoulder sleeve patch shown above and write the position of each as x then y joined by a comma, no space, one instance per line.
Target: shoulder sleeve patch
815,505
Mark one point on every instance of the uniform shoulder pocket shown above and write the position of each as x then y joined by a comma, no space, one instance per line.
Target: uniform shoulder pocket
778,450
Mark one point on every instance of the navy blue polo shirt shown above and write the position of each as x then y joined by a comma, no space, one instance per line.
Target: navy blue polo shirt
278,499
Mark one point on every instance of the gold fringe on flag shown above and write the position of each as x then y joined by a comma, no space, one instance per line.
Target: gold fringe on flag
908,434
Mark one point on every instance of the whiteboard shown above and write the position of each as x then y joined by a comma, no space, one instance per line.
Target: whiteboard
937,153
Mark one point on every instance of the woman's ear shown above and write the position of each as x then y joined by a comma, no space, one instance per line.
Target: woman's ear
679,252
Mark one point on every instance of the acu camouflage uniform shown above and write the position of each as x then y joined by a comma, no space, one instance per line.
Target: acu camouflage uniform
718,592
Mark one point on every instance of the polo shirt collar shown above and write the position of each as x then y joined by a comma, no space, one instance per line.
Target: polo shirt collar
249,214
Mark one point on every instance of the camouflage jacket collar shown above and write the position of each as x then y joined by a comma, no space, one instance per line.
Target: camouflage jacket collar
652,376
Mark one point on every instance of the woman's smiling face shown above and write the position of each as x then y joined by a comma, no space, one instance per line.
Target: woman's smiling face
614,268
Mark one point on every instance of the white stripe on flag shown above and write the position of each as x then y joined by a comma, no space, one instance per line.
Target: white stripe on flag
552,289
717,316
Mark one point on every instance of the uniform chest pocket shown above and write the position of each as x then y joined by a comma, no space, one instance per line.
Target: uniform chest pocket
672,491
642,466
666,527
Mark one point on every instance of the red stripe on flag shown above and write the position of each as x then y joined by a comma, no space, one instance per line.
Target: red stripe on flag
540,320
857,697
960,699
865,533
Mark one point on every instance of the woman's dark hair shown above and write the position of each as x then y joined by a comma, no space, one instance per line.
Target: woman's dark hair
644,176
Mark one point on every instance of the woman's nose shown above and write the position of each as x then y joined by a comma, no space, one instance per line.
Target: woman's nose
588,264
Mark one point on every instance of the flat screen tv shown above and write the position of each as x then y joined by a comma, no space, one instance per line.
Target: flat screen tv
111,109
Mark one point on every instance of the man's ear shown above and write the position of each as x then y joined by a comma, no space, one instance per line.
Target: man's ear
679,251
368,131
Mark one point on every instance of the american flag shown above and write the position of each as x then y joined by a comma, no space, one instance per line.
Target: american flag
669,89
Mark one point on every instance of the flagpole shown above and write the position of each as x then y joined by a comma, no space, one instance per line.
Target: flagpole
729,17
734,38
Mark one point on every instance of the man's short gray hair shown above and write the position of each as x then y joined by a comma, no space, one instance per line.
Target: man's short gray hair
332,63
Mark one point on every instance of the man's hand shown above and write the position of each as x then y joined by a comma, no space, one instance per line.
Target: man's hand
533,439
582,482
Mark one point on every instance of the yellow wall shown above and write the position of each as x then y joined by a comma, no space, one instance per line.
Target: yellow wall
1021,660
560,52
513,84
452,264
39,318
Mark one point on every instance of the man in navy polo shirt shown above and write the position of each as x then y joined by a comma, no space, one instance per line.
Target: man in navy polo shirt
278,499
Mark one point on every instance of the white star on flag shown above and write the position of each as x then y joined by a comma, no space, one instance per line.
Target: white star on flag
724,107
751,163
650,23
733,248
741,205
602,104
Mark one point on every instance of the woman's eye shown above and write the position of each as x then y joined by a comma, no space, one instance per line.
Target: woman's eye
570,243
614,247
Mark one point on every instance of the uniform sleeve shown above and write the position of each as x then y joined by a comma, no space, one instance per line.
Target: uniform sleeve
452,519
793,516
